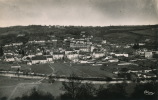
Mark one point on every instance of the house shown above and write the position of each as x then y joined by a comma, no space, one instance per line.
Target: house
30,54
75,60
58,55
49,58
39,53
83,61
148,55
106,58
9,58
7,45
127,46
53,39
84,49
113,60
141,52
84,55
141,44
92,48
40,41
37,40
15,65
8,52
68,51
17,44
77,50
98,54
79,45
147,70
72,56
39,59
20,35
149,75
126,63
137,69
29,63
125,55
18,58
103,41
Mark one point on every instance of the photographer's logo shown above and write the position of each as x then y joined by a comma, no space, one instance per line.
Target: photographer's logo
146,92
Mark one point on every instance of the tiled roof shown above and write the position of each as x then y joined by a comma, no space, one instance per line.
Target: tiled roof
39,58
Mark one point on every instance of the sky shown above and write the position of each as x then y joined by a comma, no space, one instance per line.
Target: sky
78,12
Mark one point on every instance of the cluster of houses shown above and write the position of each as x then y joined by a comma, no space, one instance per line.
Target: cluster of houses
41,49
82,50
135,69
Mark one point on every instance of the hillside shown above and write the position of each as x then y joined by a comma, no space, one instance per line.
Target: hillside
115,34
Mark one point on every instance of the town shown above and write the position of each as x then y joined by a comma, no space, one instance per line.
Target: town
107,55
78,49
83,50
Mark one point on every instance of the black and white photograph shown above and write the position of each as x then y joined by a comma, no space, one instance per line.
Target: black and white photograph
78,49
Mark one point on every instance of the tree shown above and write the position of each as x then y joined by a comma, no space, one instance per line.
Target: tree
112,92
74,89
136,46
86,91
71,88
36,95
1,51
51,79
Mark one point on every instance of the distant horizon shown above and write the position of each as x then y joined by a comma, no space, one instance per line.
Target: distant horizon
78,25
78,12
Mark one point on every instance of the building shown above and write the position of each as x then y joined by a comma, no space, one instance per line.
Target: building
148,55
98,54
113,60
9,58
92,48
17,44
68,51
79,45
20,35
49,58
83,61
39,53
37,40
9,52
72,56
103,41
125,55
84,49
149,75
58,55
39,60
15,65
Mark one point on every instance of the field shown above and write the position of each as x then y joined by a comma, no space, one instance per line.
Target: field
64,69
83,70
12,87
7,66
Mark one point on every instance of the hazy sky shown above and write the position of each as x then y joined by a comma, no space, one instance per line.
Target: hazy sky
78,12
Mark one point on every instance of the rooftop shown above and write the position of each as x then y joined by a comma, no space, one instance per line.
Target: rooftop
39,58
